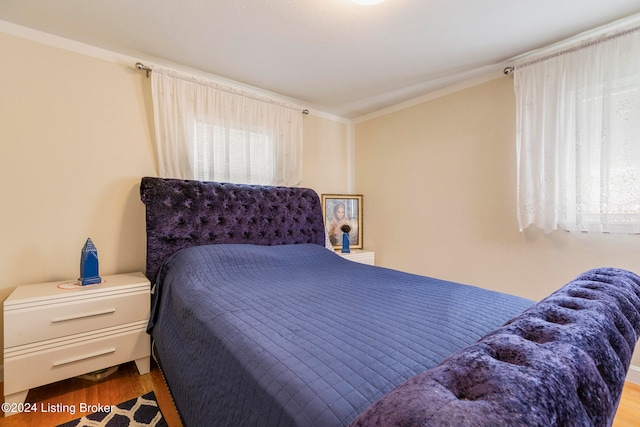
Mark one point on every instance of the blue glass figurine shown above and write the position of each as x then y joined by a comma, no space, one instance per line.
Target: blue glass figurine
346,229
89,265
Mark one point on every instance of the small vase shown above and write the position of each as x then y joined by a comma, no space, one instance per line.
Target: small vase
345,243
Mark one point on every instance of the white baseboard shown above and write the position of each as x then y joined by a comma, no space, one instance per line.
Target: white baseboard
633,376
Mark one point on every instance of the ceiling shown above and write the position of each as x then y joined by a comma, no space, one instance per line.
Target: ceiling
331,55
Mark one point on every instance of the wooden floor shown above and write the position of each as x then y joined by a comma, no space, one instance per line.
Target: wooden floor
121,386
127,384
629,409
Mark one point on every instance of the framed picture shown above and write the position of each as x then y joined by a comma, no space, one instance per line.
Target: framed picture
341,209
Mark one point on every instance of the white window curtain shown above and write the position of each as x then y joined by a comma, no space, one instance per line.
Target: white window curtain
209,132
578,137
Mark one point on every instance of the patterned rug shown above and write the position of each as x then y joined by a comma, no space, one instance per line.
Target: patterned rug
139,412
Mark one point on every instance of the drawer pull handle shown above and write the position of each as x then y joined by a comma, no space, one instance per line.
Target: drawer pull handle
84,357
83,316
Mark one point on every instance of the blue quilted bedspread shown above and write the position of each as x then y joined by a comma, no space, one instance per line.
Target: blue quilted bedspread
295,335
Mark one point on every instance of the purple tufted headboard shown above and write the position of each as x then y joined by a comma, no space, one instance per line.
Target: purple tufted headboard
182,213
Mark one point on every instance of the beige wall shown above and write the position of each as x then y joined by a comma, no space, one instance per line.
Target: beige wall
75,139
326,154
438,181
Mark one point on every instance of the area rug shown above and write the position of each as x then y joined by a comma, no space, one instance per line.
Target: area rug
139,412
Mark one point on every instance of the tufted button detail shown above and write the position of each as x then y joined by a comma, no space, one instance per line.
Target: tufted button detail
557,318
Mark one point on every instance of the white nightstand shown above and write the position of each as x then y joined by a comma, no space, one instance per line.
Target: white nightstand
359,255
52,333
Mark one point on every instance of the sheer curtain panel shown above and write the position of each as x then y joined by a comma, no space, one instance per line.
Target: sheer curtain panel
209,132
578,138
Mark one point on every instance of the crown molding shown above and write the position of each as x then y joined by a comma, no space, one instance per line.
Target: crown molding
612,27
128,60
491,73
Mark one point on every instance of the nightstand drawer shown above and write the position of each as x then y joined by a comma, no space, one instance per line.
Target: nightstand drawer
32,365
359,255
53,321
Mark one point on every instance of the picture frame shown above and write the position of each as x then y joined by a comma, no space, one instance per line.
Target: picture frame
351,206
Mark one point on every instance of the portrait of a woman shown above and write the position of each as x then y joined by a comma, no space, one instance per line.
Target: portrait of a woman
339,212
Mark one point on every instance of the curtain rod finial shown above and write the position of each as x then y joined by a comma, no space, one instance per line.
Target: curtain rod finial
508,70
141,66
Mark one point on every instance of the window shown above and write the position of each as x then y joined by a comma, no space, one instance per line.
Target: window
232,154
210,132
578,138
609,160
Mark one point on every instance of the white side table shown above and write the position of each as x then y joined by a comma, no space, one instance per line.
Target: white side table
359,255
54,331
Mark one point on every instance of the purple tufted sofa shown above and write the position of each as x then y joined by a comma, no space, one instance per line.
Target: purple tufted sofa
561,363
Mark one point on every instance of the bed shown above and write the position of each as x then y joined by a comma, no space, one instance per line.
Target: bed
255,322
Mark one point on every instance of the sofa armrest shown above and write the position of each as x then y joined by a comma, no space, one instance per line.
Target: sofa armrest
562,362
